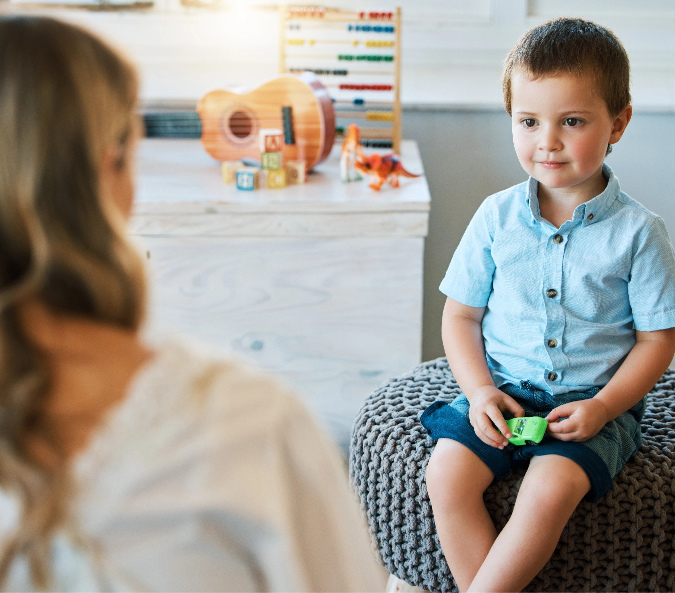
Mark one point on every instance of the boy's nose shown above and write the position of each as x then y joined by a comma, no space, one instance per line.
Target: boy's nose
549,139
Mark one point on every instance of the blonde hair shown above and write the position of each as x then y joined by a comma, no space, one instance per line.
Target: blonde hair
574,46
65,98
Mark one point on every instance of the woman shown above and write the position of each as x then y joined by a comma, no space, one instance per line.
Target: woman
125,466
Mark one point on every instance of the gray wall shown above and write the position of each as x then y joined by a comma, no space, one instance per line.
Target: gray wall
468,155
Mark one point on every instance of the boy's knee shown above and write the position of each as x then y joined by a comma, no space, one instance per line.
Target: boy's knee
454,474
437,475
562,484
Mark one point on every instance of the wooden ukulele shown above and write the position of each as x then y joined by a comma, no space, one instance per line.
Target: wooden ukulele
299,105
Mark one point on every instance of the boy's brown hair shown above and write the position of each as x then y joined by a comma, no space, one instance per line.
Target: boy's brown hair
572,46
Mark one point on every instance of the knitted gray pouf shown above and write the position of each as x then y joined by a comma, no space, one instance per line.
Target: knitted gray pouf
623,542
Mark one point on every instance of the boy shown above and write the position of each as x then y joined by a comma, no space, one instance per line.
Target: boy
561,304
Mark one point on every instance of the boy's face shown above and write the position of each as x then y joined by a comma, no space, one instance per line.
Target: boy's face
561,128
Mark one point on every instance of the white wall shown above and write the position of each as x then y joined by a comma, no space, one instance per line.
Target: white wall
451,49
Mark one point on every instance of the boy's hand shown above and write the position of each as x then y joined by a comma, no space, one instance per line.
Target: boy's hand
485,413
577,421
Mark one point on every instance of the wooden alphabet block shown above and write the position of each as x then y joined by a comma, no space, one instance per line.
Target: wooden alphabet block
296,172
248,178
230,169
271,140
270,160
275,178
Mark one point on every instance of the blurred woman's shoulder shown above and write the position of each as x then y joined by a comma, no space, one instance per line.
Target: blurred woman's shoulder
189,392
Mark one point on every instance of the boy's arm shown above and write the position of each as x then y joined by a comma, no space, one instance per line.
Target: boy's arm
639,372
465,350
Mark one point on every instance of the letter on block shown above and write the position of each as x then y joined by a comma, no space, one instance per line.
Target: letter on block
271,140
230,169
276,179
248,178
296,172
270,160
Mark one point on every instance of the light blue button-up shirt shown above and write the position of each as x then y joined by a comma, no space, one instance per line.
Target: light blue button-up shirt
562,305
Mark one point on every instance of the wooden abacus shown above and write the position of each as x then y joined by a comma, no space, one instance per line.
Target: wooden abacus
357,57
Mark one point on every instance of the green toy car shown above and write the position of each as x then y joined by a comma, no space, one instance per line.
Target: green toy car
527,431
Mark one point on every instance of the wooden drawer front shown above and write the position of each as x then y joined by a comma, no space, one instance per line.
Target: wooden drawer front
333,317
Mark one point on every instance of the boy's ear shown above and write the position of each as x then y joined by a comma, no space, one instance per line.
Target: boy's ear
620,123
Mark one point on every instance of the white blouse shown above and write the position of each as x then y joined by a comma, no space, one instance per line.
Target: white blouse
210,477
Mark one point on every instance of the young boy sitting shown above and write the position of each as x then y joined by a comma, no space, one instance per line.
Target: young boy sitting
561,304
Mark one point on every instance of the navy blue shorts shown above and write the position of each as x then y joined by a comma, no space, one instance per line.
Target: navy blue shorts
602,457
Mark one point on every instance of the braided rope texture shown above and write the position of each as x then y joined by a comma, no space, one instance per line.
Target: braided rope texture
622,542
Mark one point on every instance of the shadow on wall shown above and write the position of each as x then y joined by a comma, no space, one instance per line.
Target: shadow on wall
467,156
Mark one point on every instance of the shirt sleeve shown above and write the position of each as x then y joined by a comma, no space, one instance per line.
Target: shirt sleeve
468,279
651,288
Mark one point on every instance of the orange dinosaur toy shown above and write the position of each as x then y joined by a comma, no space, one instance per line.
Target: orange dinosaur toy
382,168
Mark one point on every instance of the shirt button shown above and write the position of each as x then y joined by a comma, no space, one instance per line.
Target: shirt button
558,238
552,343
552,376
551,293
590,217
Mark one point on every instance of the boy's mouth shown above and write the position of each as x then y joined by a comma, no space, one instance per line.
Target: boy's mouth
551,164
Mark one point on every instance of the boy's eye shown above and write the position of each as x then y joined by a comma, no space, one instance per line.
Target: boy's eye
529,122
572,121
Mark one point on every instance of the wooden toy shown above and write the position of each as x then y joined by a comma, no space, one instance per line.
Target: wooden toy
248,178
275,178
230,169
271,140
297,104
348,37
382,168
270,160
350,151
296,172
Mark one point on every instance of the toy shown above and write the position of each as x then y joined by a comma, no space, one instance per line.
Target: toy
230,169
248,178
297,105
270,160
351,150
382,168
296,172
271,140
527,431
275,178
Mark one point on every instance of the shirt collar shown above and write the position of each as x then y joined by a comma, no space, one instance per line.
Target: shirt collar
589,212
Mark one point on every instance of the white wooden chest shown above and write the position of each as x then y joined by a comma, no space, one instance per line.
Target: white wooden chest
319,283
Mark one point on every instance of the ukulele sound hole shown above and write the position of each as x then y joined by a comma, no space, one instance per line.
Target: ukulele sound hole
240,124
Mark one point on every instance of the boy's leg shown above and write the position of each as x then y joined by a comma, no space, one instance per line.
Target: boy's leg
552,488
456,480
